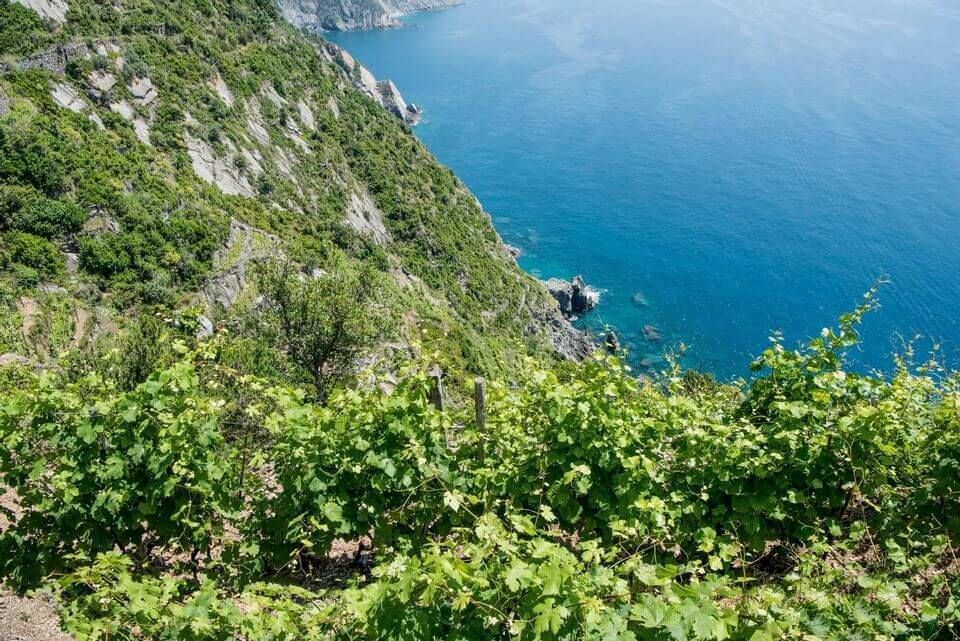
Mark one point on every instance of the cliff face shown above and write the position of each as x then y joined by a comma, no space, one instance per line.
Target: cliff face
382,91
209,142
349,15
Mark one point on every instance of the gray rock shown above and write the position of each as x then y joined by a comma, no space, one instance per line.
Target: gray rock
514,252
573,297
206,328
101,222
4,104
50,288
349,15
652,334
53,10
7,360
384,92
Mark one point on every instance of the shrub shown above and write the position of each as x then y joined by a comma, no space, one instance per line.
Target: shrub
33,252
27,210
327,323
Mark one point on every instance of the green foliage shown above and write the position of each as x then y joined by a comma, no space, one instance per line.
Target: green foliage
325,323
21,30
33,252
24,209
112,470
814,504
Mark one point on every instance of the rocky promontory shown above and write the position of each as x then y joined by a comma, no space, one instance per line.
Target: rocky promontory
574,296
352,15
383,91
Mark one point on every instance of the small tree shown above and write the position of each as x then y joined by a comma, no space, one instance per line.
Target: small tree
325,323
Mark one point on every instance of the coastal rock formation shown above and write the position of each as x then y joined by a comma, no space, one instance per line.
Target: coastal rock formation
574,297
382,91
349,15
393,102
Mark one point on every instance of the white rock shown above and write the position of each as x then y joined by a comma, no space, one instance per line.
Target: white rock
123,108
270,93
364,216
306,115
143,91
334,107
256,124
142,129
55,10
219,172
220,87
68,97
102,81
206,327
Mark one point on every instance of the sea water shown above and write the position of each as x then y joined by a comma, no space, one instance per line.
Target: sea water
720,169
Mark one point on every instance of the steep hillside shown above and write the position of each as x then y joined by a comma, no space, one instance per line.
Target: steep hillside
347,15
150,151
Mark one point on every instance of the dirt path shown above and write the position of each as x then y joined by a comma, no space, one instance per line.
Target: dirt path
29,619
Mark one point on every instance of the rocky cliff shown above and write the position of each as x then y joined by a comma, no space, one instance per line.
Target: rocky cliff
383,91
209,143
349,15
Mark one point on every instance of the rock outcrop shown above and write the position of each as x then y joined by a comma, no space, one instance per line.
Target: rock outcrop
350,15
382,91
245,245
574,297
53,10
393,102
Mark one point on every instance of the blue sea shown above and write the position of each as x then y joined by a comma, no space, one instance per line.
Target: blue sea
720,169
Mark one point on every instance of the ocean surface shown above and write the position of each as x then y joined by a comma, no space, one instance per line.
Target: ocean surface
720,169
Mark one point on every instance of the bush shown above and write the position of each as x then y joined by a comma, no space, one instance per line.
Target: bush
25,209
327,323
105,255
33,252
21,30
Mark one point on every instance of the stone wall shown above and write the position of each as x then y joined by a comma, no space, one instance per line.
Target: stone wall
54,59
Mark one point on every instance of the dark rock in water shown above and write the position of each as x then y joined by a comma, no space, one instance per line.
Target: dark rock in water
652,334
639,300
514,252
413,114
574,297
612,342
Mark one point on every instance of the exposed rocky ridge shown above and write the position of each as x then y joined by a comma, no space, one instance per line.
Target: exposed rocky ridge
350,15
294,152
385,92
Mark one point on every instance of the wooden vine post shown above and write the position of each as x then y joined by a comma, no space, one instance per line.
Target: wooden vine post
480,405
480,401
436,389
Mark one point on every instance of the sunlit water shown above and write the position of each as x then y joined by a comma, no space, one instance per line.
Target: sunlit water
719,168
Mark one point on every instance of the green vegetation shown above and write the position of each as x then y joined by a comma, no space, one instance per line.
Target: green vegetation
814,503
150,229
21,30
166,486
324,324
